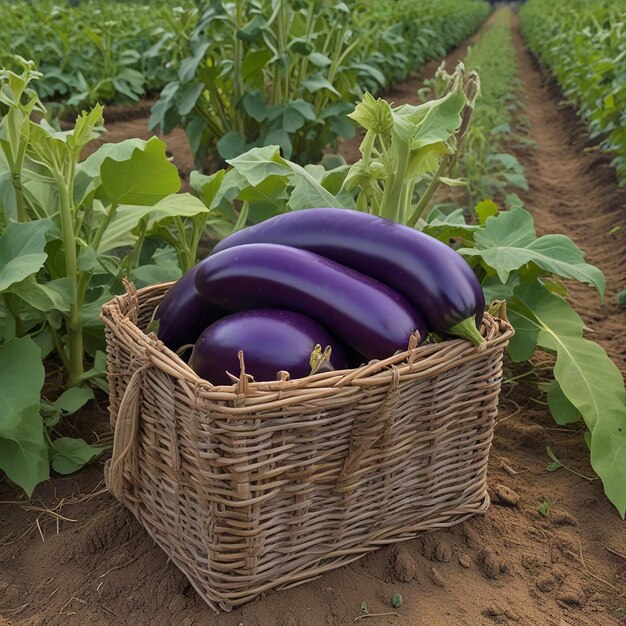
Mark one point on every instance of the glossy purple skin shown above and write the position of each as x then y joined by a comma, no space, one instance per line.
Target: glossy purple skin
370,317
271,340
433,277
183,313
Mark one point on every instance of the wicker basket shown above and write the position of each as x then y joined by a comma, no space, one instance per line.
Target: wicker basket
260,485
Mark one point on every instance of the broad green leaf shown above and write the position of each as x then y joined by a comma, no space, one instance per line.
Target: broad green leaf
187,97
69,455
144,179
508,242
316,82
22,251
432,122
73,399
587,377
175,205
55,295
67,403
254,105
23,451
563,411
259,163
120,231
444,226
231,145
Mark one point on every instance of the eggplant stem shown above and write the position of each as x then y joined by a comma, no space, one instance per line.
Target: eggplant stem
467,330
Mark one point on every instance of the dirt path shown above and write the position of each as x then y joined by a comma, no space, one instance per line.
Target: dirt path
512,566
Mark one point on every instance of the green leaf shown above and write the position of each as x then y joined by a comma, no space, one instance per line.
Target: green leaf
320,60
508,242
317,82
22,251
445,226
144,179
544,508
121,230
621,298
67,403
187,97
486,209
231,145
175,205
373,114
254,61
259,163
73,399
69,455
563,411
55,295
431,122
23,451
587,377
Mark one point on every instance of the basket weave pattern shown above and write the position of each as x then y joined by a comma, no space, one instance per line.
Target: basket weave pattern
253,486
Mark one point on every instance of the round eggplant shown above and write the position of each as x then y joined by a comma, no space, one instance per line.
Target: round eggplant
433,277
370,317
272,340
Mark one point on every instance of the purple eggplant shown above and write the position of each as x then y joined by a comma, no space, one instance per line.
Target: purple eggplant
370,317
271,340
183,313
433,277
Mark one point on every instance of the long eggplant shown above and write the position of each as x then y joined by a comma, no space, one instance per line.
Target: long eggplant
183,313
433,277
370,317
271,340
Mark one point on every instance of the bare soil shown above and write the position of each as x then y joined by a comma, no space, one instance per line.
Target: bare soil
74,556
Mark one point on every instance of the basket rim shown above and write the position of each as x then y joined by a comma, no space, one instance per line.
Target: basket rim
496,330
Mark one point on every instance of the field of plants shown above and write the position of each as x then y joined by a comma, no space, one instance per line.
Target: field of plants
367,176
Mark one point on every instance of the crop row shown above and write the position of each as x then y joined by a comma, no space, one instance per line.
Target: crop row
582,43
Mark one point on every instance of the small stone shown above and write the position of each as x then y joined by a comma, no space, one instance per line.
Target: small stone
563,518
465,561
506,495
436,577
490,563
546,583
514,617
443,552
572,595
404,567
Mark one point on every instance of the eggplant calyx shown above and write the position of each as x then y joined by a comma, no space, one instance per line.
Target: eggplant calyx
320,360
467,330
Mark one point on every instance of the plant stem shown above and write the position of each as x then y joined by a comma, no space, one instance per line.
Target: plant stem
97,238
394,195
237,60
427,196
186,258
73,320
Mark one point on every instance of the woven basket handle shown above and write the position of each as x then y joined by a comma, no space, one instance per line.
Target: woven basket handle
367,429
125,434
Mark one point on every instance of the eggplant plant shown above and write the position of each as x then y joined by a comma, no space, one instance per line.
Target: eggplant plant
285,73
70,231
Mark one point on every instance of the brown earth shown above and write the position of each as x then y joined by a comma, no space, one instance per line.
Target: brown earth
74,556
